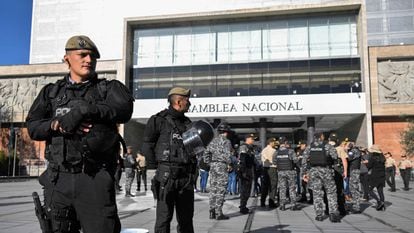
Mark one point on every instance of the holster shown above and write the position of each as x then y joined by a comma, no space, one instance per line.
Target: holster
44,219
161,181
155,188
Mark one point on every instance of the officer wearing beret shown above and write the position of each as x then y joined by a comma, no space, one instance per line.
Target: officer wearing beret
163,148
77,117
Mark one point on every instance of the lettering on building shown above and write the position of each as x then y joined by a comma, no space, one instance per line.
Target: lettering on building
246,107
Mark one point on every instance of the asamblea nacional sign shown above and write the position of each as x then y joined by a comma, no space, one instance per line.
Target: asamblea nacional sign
320,104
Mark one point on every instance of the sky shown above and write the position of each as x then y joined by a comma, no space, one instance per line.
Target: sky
15,28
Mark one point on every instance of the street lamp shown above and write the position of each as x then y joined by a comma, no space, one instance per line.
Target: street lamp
354,84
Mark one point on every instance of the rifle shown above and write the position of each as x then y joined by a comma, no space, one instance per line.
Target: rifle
44,220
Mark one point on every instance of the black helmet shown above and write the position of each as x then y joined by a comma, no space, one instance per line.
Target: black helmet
198,136
205,131
223,127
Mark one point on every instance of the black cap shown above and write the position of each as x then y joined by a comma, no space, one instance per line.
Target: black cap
251,136
282,140
333,137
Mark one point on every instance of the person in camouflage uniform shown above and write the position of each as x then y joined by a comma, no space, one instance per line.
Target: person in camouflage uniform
245,170
129,164
285,160
354,161
219,150
319,155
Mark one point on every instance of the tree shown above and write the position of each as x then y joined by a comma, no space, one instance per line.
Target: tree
407,139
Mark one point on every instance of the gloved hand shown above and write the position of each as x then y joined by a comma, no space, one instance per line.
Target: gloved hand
71,120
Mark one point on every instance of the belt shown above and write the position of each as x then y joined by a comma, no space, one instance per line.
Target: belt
175,171
80,167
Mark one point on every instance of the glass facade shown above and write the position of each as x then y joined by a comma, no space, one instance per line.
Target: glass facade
390,22
277,56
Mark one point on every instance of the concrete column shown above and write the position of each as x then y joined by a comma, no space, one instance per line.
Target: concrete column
262,135
310,122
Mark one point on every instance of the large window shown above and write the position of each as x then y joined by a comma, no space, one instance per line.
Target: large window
250,79
244,42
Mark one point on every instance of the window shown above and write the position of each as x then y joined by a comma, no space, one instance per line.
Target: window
400,24
145,51
339,36
400,4
223,43
374,25
298,39
182,46
275,41
373,5
318,37
203,46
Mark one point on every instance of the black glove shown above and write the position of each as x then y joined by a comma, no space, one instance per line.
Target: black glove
71,121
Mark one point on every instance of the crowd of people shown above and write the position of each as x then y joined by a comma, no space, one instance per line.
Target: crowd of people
334,175
78,117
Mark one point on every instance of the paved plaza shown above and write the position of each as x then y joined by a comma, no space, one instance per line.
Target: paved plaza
17,214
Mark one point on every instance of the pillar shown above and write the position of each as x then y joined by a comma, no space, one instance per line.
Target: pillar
262,132
310,123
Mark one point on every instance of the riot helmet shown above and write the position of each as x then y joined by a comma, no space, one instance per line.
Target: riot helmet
198,137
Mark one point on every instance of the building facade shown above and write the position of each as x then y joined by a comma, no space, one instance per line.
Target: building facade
270,67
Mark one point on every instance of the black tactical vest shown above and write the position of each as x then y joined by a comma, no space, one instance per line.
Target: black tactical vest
170,147
70,150
318,156
283,161
354,163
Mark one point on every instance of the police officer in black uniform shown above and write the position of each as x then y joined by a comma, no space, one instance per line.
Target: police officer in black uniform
77,117
174,179
246,170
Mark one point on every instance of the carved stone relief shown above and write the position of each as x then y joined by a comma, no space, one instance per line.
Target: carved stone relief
396,81
18,94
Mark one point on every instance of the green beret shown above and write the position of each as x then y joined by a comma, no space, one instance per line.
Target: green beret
81,42
179,91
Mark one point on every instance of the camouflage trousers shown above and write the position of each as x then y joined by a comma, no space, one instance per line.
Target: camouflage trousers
129,175
287,180
323,177
218,185
354,180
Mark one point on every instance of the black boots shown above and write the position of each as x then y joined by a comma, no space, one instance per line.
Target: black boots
218,216
244,210
334,218
221,216
282,207
380,206
272,204
129,194
319,218
212,214
294,207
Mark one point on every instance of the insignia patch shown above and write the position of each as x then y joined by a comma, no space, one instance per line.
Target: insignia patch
82,43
